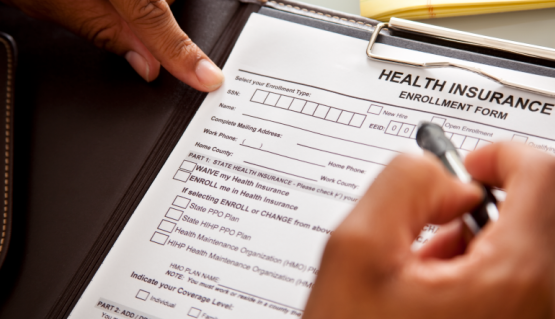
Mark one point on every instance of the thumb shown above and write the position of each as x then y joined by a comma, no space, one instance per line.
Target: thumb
153,23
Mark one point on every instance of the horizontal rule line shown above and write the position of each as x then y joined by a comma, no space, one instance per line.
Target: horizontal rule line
275,170
296,159
356,158
339,138
246,293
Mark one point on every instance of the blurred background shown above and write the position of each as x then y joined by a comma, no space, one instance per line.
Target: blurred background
532,27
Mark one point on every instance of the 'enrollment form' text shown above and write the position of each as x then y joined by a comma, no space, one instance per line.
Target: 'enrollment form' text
236,221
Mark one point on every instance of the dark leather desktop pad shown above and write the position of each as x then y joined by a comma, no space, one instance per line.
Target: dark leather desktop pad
85,124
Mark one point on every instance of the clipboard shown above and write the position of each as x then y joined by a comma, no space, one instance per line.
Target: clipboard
431,39
25,278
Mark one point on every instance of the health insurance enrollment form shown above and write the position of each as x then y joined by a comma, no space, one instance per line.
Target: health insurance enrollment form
236,221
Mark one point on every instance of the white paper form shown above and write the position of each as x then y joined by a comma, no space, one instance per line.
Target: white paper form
236,221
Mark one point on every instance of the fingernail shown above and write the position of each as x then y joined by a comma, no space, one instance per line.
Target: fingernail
209,75
139,64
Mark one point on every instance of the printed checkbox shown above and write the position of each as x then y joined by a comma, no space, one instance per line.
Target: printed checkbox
406,130
393,128
188,166
469,143
322,111
413,135
182,176
272,99
309,108
483,143
166,226
159,238
357,120
520,138
259,96
375,109
457,140
194,312
284,102
174,214
297,105
142,294
438,120
333,114
345,117
181,202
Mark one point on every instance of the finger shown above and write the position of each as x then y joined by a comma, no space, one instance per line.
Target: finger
113,34
448,242
98,21
374,241
411,192
153,23
525,173
496,164
520,243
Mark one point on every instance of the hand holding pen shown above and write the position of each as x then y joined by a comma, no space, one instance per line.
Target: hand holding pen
431,137
507,271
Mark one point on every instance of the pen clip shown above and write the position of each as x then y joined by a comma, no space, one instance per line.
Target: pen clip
411,26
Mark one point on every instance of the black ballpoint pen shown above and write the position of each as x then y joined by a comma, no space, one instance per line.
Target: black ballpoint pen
431,137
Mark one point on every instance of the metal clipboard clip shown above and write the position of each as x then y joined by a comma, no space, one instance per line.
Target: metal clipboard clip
467,38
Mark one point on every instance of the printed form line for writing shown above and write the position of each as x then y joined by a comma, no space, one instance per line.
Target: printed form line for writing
296,159
246,293
339,138
397,106
356,158
275,170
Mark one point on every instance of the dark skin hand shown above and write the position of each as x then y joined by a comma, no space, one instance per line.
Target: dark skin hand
145,32
368,269
508,271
